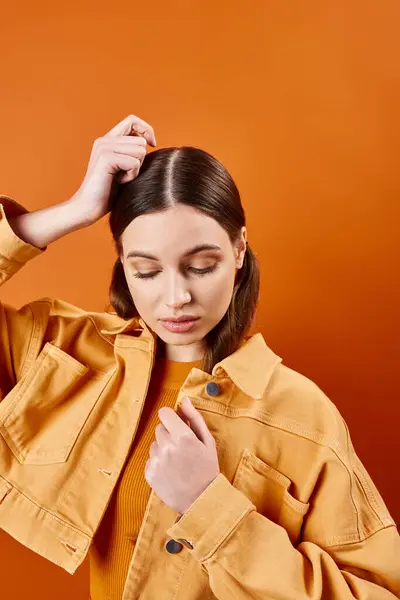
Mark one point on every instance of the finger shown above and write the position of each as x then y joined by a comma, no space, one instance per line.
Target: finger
130,124
173,422
121,162
182,414
136,151
124,145
127,125
197,423
133,146
126,176
162,435
138,154
123,140
153,450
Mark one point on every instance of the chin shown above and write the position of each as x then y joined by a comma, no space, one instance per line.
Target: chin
179,339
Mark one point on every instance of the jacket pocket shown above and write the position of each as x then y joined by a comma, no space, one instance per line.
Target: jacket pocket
268,489
40,419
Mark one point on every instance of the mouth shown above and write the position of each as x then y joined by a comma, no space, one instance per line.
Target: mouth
180,325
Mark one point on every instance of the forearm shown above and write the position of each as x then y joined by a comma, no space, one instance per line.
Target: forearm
42,227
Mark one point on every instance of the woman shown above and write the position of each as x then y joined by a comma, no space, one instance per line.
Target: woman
254,489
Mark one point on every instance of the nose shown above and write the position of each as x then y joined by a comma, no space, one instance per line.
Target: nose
177,292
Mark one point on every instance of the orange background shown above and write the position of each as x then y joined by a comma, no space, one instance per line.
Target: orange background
301,102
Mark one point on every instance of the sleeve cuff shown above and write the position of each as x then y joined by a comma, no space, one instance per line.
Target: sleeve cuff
211,518
12,248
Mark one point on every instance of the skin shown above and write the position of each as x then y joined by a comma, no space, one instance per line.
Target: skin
176,289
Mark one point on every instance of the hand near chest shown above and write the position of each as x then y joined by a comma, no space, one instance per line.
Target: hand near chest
183,460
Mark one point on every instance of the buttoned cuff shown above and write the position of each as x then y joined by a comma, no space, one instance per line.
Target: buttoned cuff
12,247
214,515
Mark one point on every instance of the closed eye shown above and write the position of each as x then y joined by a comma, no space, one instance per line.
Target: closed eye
192,269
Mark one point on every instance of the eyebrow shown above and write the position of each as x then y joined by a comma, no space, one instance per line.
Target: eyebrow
194,250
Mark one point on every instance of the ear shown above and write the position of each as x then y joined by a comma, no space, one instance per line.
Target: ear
241,248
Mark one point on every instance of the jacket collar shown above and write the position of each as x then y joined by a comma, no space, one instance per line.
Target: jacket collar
250,367
121,326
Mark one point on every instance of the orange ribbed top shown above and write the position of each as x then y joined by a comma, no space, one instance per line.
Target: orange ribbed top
114,542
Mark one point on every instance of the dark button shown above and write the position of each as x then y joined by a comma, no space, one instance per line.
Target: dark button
173,547
212,388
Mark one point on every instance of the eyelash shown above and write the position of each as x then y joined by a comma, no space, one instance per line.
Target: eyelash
193,269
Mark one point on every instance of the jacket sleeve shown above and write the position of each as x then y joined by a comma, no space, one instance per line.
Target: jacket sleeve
14,252
16,326
349,548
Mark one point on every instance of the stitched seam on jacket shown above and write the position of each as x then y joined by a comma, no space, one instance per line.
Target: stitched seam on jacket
352,485
369,496
340,541
247,511
98,330
35,335
25,365
48,512
291,427
357,469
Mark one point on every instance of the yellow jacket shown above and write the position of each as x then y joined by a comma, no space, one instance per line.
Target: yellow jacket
292,515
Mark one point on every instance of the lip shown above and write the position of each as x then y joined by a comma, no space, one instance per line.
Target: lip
181,319
180,325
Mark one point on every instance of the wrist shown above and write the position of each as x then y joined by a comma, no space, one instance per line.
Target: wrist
79,212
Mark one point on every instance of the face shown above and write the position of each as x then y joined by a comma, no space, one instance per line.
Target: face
181,263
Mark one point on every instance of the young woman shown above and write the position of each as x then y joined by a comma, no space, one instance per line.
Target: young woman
253,489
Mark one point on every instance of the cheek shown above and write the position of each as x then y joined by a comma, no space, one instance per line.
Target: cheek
215,295
144,294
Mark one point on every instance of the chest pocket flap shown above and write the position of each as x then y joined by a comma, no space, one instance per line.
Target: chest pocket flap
41,417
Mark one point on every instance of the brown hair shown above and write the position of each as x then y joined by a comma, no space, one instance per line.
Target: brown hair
190,176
